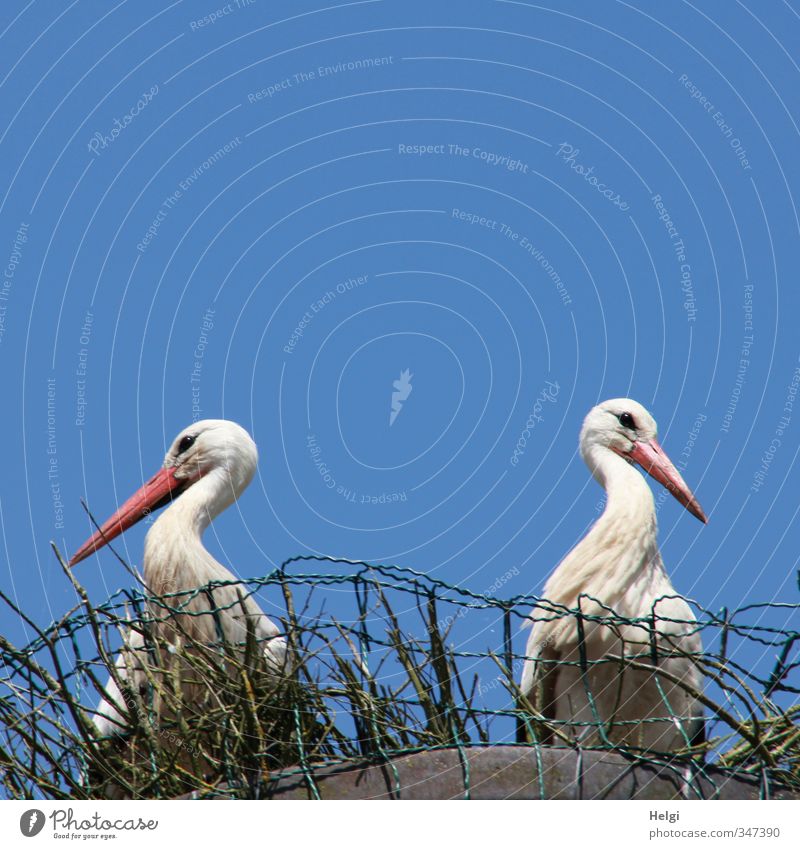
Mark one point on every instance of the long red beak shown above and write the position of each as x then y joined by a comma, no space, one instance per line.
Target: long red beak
651,457
157,492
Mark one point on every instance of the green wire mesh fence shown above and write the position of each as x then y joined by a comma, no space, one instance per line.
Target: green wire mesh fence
408,664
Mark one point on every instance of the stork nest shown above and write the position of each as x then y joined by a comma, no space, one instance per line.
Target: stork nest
393,678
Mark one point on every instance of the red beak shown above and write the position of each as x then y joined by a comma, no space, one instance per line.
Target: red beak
651,457
157,492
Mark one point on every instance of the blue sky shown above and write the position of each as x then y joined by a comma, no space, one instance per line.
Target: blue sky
268,212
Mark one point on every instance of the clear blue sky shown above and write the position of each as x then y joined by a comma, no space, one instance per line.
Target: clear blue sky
270,215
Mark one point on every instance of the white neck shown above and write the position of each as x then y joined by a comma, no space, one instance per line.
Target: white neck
620,550
174,555
628,497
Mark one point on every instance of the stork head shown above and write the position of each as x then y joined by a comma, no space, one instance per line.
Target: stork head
213,445
625,427
213,448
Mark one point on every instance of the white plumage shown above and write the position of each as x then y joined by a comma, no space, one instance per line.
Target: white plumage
617,569
209,465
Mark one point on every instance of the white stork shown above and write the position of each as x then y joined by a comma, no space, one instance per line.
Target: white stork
617,569
209,465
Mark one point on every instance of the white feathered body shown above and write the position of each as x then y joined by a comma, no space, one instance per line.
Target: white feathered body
616,573
195,618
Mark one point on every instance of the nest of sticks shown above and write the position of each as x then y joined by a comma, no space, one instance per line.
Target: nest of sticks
216,720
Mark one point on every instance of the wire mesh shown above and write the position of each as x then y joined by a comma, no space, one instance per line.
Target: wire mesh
408,664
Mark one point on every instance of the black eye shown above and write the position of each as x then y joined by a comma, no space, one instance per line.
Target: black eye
186,443
626,420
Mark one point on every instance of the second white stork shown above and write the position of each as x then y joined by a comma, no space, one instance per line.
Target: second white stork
628,678
207,468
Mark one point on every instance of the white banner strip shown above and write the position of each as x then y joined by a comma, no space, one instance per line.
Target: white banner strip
350,825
